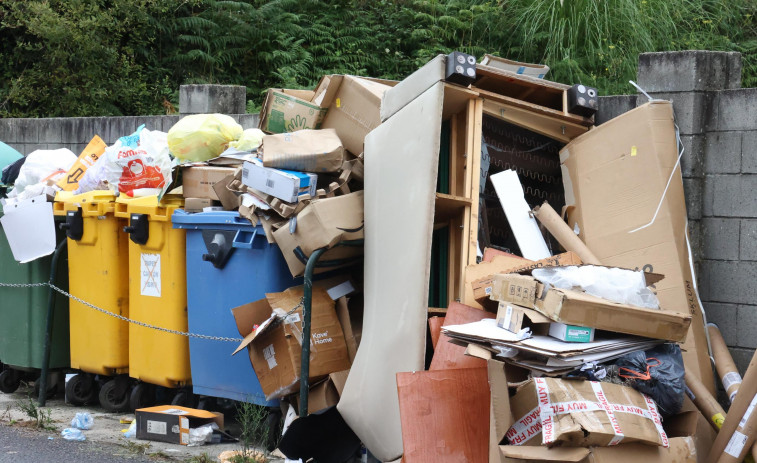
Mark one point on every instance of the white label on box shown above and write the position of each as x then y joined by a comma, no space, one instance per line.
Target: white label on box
156,427
184,438
293,317
175,411
736,444
175,429
731,379
184,422
149,275
270,356
508,316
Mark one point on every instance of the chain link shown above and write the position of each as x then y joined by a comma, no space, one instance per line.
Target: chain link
121,317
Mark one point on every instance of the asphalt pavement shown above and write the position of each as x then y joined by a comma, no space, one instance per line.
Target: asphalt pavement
21,445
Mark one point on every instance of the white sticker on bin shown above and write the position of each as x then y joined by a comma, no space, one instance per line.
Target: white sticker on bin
532,423
149,274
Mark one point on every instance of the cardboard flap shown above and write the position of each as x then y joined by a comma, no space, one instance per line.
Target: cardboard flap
181,411
540,453
476,350
339,378
247,316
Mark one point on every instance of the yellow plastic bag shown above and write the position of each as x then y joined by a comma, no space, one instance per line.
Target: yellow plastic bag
200,137
251,139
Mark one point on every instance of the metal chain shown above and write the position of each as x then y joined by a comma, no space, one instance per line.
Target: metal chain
121,317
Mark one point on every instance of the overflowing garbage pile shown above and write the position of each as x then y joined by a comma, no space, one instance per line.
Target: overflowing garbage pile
581,339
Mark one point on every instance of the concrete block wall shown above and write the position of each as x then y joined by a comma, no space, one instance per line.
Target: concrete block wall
27,135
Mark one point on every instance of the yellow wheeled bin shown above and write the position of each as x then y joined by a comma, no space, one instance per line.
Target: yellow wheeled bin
98,274
157,297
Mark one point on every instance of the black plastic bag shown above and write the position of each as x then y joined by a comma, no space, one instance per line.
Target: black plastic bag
658,373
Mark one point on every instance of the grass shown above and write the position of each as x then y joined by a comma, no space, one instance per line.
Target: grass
38,417
253,421
204,458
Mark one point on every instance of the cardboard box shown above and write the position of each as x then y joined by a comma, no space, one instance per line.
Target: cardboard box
354,106
602,171
322,224
581,309
198,181
275,347
86,159
324,394
484,270
171,423
482,288
317,151
352,325
196,204
553,411
290,110
516,67
571,333
287,185
514,318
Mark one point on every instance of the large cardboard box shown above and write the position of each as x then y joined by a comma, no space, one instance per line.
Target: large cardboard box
482,287
322,224
323,394
553,411
198,181
275,347
290,110
171,423
354,106
615,177
582,309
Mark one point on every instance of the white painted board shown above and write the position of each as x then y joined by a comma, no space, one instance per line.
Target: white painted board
526,230
401,163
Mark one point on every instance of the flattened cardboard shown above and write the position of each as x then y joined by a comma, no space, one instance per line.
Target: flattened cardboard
322,224
318,151
457,429
575,422
290,110
275,346
353,107
86,159
451,356
482,288
602,170
500,415
230,199
581,309
171,423
196,204
491,253
198,181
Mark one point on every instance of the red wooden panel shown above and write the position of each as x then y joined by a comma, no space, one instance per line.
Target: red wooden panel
448,355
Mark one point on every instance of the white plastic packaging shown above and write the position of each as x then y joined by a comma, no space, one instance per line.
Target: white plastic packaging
615,284
73,434
201,435
82,420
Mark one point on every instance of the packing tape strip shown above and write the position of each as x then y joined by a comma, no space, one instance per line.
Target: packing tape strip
600,394
545,411
657,420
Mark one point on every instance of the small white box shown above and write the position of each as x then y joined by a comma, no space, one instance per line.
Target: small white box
287,185
571,333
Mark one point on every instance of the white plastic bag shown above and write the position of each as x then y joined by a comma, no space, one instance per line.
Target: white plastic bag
41,166
201,435
82,420
615,284
73,434
93,178
138,163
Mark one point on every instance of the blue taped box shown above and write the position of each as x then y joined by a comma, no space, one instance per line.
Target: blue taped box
287,185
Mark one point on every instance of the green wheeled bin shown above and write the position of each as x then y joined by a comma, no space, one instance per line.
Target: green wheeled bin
23,316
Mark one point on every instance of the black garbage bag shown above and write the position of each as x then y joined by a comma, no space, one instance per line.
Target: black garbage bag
10,172
658,373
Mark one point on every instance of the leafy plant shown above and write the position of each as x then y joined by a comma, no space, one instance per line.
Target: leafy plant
41,418
253,421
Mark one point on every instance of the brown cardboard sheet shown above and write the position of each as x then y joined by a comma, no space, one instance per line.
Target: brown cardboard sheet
602,171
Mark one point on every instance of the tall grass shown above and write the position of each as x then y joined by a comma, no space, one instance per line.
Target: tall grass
597,42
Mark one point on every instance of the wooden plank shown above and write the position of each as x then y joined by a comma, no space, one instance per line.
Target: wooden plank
453,272
444,415
546,125
455,99
475,173
451,356
448,206
500,75
454,153
441,311
560,114
435,328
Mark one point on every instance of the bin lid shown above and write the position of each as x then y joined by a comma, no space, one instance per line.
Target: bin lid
228,220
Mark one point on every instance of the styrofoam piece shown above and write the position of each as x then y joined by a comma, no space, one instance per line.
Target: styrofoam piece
29,226
412,86
526,230
402,152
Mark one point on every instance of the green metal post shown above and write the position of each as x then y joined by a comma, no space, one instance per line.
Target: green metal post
306,306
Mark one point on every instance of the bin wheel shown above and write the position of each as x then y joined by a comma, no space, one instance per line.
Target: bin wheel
81,390
140,396
114,398
9,381
52,390
182,399
272,422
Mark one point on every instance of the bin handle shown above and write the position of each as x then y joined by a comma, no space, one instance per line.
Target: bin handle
245,239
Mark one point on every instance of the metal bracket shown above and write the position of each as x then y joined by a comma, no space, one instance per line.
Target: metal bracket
74,224
219,244
139,228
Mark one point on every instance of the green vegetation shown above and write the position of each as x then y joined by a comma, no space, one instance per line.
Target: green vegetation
39,418
255,432
128,57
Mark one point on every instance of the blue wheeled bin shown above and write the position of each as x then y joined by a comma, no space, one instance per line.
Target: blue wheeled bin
229,263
